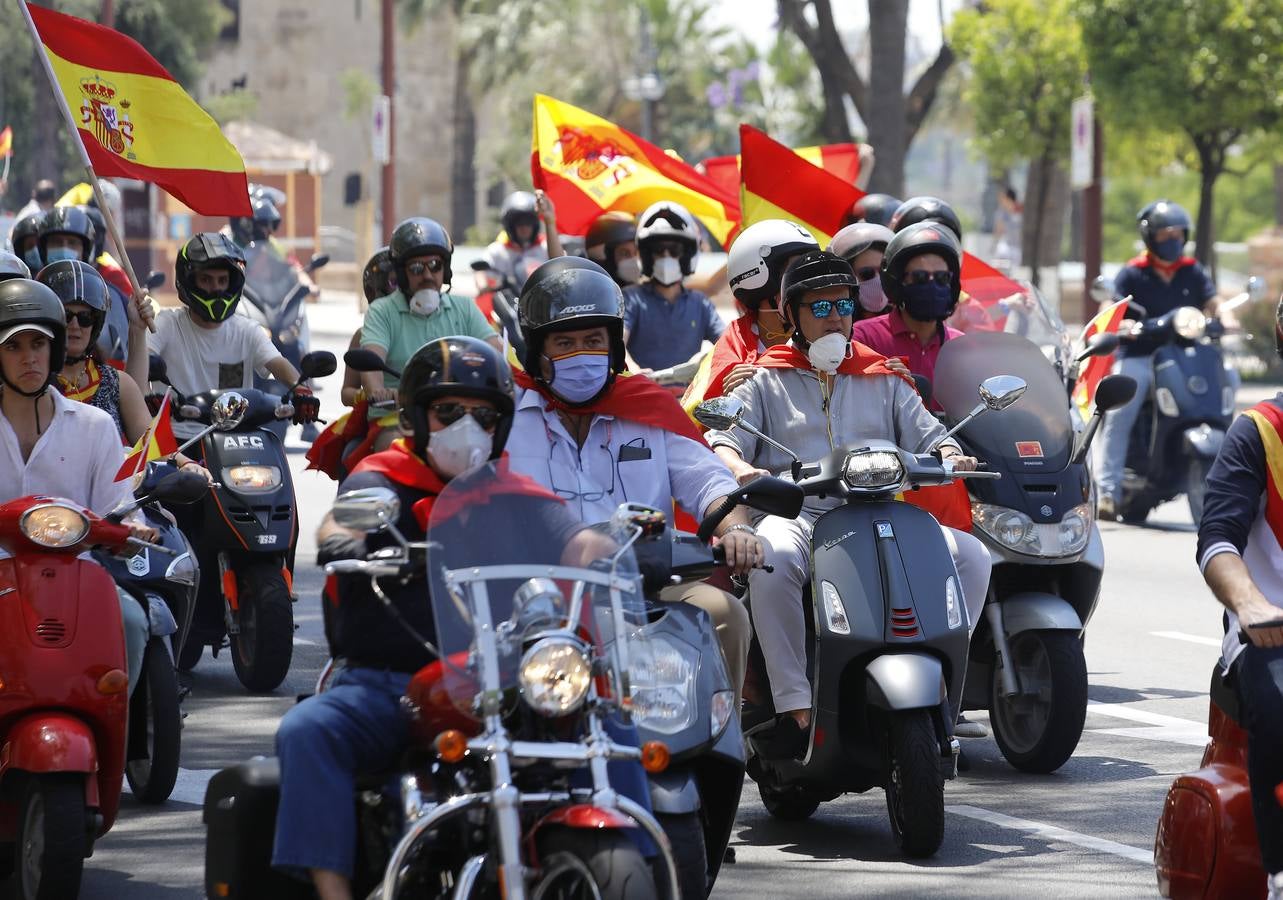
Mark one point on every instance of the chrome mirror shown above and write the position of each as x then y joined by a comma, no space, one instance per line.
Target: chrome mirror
1101,290
228,410
1001,391
720,413
367,509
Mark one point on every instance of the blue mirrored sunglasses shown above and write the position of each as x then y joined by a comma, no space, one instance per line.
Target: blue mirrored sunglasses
822,309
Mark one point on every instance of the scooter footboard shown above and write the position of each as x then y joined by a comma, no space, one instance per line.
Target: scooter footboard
899,681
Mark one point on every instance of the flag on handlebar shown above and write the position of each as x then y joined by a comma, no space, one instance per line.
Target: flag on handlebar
842,160
6,140
1097,367
157,441
777,183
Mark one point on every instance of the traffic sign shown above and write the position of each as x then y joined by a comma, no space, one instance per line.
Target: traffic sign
1082,141
380,130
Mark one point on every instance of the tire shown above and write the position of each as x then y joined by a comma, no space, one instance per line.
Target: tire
1196,487
1134,512
261,652
1038,736
156,723
788,804
53,839
915,784
686,833
568,855
190,653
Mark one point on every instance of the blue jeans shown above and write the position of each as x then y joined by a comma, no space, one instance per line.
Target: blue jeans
1259,677
1111,458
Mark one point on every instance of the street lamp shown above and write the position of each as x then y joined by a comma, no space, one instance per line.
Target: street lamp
646,86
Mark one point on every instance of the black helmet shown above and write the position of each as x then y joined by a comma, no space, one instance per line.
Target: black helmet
415,237
30,305
378,279
925,209
811,271
853,240
24,228
916,240
1159,215
519,209
266,219
205,251
567,294
68,220
465,366
78,282
242,229
875,208
100,228
608,231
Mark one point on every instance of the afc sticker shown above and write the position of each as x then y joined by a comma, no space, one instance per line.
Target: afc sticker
242,441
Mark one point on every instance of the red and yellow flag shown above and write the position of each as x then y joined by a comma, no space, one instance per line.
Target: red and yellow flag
589,166
842,160
776,183
157,441
1269,424
1097,367
6,140
135,121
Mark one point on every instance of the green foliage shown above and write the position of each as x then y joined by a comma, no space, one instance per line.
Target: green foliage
359,91
231,106
176,32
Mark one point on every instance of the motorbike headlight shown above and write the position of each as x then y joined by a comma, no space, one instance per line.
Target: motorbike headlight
1189,323
252,478
182,570
54,525
1015,530
555,676
1008,527
663,683
1167,404
722,709
872,470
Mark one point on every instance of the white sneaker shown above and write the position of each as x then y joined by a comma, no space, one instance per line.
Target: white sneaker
968,729
1274,885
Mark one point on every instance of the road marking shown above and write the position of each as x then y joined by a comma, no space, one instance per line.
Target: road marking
1171,729
191,784
1052,833
1190,638
303,642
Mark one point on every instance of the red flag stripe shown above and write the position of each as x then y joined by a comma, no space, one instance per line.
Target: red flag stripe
212,193
576,210
93,45
776,174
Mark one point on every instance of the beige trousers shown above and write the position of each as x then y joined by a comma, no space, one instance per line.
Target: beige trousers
730,620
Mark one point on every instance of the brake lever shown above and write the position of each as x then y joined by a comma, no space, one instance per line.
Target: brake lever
139,542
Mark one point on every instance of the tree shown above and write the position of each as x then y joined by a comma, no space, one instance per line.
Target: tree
1209,69
1027,64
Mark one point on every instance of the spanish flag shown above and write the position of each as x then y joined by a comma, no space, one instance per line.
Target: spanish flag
135,121
842,160
589,166
1097,367
157,441
6,140
777,183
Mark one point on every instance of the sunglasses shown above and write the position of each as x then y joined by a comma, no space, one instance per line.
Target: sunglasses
432,264
449,413
672,248
921,276
822,309
867,273
83,319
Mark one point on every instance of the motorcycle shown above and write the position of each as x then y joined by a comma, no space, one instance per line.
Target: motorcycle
64,703
886,639
1026,663
496,297
277,298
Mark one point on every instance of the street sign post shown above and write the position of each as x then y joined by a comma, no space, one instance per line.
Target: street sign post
379,131
1082,142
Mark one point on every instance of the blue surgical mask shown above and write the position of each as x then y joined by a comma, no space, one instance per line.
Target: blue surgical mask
32,259
578,377
1169,250
61,254
930,302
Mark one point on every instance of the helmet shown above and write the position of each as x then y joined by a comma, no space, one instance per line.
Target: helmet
100,228
68,220
812,271
29,305
875,208
916,240
415,237
12,266
378,279
78,282
566,294
461,365
519,209
853,240
208,250
925,209
667,221
758,257
24,228
608,231
1159,215
265,220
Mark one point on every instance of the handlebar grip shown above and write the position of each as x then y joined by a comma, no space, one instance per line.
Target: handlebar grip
992,476
139,542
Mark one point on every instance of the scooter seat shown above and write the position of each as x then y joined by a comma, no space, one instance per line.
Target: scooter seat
1225,695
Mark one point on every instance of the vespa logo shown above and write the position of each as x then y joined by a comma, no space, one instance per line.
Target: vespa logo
242,441
139,564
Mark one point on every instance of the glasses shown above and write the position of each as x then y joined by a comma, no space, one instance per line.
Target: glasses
822,309
866,273
672,248
432,264
922,276
83,319
585,496
449,413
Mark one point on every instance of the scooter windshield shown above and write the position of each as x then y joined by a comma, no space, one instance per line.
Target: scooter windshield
532,607
268,275
1033,434
996,303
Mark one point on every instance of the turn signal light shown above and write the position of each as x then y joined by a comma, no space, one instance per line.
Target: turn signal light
113,682
222,889
451,746
655,756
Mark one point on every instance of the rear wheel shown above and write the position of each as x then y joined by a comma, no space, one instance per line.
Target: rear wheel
915,783
1196,486
190,653
155,728
582,864
791,804
53,838
686,833
262,650
1038,729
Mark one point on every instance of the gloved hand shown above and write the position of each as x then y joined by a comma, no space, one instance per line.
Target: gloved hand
306,407
339,546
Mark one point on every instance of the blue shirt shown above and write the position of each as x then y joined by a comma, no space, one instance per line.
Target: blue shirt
663,334
1190,286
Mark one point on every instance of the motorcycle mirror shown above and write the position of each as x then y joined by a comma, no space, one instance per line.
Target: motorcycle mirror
318,261
366,509
629,516
1001,391
1101,345
362,360
925,391
154,280
1101,290
1114,391
720,413
773,496
1257,289
317,364
157,370
228,410
479,265
179,487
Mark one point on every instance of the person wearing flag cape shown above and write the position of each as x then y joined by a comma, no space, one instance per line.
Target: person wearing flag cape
820,391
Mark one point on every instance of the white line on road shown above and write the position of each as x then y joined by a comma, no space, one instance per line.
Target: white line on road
1171,729
303,642
191,784
1052,833
1191,638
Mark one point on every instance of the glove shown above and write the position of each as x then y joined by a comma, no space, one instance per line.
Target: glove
339,546
306,407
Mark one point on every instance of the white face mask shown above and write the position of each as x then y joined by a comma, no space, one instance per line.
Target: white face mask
425,302
666,271
827,353
629,269
459,447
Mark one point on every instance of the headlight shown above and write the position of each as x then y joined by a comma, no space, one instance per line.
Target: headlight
1167,404
952,602
252,478
1227,400
1016,531
872,470
1189,323
555,676
723,707
663,684
182,570
54,525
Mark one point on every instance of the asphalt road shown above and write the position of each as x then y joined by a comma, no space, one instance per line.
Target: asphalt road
1085,831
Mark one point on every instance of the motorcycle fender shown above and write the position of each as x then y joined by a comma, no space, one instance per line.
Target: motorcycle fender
674,791
584,815
1204,441
50,742
1032,611
906,681
160,617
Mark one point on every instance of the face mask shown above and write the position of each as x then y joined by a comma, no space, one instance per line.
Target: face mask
629,270
872,297
62,254
459,447
425,301
32,259
827,353
1169,250
666,271
579,377
928,302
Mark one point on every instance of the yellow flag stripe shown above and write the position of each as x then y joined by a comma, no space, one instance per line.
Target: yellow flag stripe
1273,446
756,209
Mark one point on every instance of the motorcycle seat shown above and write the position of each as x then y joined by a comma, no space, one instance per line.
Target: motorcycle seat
1224,694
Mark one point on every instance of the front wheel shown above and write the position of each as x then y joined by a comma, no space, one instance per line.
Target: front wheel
155,727
53,837
1196,487
686,833
581,864
1038,729
262,650
915,783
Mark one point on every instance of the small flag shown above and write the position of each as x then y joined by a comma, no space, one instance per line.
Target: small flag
6,140
777,183
1097,367
157,441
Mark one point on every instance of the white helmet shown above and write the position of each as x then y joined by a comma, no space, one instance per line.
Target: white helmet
759,256
12,266
667,221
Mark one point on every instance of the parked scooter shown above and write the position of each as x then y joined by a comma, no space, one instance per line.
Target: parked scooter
886,639
1026,663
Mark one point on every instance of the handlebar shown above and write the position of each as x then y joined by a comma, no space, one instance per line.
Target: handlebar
149,545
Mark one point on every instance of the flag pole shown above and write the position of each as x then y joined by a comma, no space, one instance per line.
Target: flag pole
59,96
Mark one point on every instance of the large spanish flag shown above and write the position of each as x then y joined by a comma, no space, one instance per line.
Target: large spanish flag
135,121
1097,367
842,160
589,165
777,183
